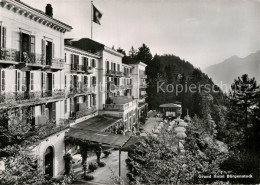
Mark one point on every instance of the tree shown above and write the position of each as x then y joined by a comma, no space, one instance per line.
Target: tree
144,54
132,52
243,98
120,50
156,160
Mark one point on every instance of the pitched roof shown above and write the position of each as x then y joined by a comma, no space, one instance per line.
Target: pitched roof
85,44
42,13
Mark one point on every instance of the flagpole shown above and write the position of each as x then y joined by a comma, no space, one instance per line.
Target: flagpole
91,18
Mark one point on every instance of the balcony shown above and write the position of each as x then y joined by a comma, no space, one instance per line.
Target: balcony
111,73
119,73
57,63
83,113
89,70
143,85
122,87
77,68
33,59
143,96
83,89
143,76
49,128
126,74
15,98
9,56
119,107
129,86
111,86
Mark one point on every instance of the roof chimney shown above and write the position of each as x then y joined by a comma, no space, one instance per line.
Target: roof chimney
48,10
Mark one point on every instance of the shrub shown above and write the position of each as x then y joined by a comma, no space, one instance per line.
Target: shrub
106,153
88,177
92,167
101,164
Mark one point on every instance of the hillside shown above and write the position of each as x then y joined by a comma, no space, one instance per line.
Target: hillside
233,67
170,69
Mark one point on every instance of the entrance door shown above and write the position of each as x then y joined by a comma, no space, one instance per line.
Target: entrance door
48,161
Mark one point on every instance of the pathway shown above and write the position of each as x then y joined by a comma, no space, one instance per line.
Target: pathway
103,175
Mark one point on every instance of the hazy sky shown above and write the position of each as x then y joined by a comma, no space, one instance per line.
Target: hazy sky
202,32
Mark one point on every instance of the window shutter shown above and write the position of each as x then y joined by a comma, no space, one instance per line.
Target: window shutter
54,111
32,81
53,50
43,51
65,106
32,45
53,81
43,81
3,80
4,38
71,59
65,81
24,81
18,80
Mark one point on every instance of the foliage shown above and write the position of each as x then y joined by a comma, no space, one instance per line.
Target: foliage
106,153
68,163
92,167
101,164
88,177
157,160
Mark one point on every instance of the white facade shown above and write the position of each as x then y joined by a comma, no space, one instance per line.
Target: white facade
31,76
60,83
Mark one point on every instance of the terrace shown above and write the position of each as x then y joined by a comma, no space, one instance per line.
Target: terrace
120,103
16,98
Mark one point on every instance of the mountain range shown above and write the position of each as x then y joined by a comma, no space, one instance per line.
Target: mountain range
233,67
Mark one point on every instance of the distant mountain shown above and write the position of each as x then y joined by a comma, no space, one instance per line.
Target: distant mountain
233,67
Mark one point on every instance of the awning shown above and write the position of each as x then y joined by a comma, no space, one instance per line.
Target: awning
93,130
99,123
106,138
170,105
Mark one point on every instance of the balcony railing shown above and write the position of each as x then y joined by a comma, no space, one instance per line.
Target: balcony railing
9,55
33,59
129,86
49,128
119,107
89,70
82,89
111,86
143,85
143,96
111,73
77,68
14,98
57,63
122,87
126,74
83,113
119,73
143,76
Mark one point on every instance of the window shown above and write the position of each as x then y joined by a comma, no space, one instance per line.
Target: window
107,65
65,81
93,80
3,81
18,81
53,81
93,63
65,57
43,81
32,44
32,81
3,37
94,100
65,106
85,80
